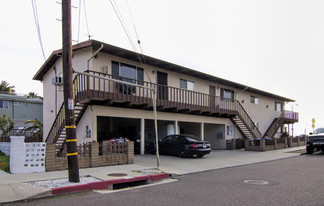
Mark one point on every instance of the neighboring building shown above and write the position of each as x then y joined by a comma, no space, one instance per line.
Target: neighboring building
188,101
21,109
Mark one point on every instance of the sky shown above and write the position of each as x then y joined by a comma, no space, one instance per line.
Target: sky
273,45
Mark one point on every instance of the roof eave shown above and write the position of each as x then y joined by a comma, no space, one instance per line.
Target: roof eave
53,58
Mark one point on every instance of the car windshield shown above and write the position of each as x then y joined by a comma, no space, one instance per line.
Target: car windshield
319,130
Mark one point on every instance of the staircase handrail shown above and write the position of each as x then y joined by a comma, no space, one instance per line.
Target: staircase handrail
57,129
57,124
274,124
248,120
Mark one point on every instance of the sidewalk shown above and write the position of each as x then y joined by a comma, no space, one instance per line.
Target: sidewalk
13,187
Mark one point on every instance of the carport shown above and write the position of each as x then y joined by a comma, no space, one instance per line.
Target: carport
115,127
215,135
193,128
164,128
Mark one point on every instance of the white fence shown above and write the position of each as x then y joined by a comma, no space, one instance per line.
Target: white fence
26,157
5,147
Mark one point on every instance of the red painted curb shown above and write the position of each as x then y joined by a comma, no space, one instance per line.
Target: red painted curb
105,184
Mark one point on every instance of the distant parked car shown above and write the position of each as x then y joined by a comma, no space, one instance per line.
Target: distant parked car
315,141
183,146
119,139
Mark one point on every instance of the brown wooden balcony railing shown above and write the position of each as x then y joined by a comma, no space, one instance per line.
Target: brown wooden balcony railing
100,87
88,88
291,116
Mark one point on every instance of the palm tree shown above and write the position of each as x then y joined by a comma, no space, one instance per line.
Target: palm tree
6,88
33,95
36,128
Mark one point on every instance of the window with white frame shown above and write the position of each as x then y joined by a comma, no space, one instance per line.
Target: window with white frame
278,106
4,104
254,100
186,84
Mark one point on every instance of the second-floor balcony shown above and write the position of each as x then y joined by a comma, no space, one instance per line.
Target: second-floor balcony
102,89
97,88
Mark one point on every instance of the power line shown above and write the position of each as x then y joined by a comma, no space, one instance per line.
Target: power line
79,20
86,19
37,26
138,39
125,28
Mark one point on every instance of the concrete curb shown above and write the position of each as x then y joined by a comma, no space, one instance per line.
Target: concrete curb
106,184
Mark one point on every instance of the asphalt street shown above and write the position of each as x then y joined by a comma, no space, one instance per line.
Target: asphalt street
291,181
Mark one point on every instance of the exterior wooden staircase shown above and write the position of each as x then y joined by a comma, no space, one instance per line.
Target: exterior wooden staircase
57,133
244,123
286,117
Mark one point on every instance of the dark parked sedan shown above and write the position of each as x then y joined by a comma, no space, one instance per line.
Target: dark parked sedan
183,146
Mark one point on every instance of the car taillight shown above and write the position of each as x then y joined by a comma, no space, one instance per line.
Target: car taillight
194,145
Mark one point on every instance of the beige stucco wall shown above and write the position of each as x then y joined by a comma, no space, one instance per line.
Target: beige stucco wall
53,97
263,112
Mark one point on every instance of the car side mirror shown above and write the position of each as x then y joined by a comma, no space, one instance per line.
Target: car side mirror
310,133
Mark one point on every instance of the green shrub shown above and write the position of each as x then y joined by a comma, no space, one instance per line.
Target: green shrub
4,162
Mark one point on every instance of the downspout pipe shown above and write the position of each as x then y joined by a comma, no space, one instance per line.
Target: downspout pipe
93,55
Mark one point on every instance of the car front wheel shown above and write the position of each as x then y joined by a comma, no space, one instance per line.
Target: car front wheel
309,150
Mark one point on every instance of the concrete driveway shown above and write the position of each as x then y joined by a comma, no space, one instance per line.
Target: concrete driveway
217,159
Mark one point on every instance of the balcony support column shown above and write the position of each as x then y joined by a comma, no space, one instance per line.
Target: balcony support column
176,127
202,131
142,136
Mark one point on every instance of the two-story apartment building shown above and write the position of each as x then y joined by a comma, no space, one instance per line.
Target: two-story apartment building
188,101
20,108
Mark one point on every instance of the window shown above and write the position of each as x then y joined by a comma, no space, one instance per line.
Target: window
127,73
18,103
4,104
278,107
227,94
229,130
186,84
130,73
254,100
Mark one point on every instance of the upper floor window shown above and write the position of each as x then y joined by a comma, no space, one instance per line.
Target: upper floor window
128,72
4,104
227,94
278,107
186,84
254,100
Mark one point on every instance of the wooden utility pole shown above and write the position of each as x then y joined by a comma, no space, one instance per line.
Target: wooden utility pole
70,127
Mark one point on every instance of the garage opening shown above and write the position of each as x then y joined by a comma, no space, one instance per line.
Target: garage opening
164,129
190,128
116,127
215,135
